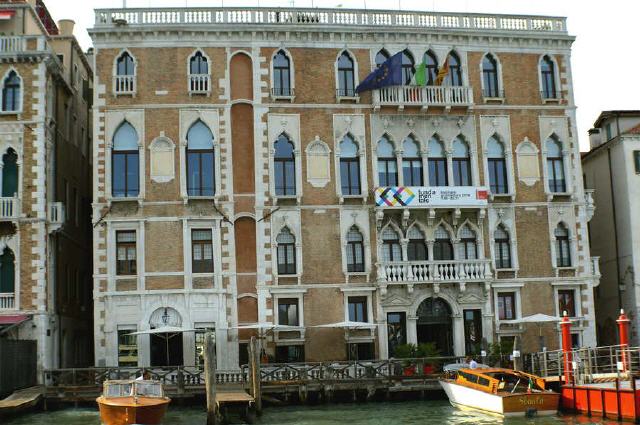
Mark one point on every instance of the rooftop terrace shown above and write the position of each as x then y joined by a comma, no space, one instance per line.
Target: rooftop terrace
330,18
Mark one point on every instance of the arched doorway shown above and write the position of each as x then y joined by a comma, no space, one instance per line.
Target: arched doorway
166,348
435,325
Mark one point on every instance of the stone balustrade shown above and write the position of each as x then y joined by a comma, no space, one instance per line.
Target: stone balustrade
317,17
444,96
434,271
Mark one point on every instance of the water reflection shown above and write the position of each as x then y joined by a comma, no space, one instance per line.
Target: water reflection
405,413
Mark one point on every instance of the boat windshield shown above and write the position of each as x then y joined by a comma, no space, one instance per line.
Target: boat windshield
118,390
148,389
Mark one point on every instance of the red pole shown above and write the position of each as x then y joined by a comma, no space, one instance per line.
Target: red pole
565,325
623,332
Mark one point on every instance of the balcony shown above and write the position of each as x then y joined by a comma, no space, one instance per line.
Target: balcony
124,84
424,97
55,215
199,83
13,44
9,208
431,197
434,271
7,301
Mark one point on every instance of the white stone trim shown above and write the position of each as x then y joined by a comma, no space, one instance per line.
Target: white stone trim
155,147
500,126
113,120
292,74
311,151
360,218
358,293
114,74
290,219
353,124
577,298
504,289
289,125
209,66
505,216
527,149
112,254
20,108
566,216
558,127
556,76
216,240
211,118
498,71
356,77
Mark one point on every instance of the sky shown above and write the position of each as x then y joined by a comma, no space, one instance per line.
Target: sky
605,71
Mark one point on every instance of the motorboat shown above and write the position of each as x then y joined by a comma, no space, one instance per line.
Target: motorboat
498,391
128,402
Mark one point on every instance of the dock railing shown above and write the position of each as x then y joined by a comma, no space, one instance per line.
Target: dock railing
589,364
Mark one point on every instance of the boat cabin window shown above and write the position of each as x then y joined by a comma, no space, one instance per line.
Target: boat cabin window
148,389
118,390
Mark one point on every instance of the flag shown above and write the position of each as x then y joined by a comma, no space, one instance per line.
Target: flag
388,74
530,387
442,74
420,76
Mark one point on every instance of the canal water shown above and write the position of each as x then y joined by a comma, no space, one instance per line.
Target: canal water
437,412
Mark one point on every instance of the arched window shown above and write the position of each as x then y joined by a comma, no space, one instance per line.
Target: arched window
411,163
497,166
281,74
416,248
11,93
431,64
125,73
125,162
286,252
455,70
10,174
200,161
346,75
391,245
555,166
490,76
548,76
442,248
355,250
284,167
467,248
563,250
437,164
408,66
7,272
502,248
198,64
461,163
381,57
198,73
349,166
387,165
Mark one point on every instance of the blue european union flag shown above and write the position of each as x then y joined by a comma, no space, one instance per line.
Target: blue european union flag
388,74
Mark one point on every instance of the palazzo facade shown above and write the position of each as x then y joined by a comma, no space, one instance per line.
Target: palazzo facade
241,182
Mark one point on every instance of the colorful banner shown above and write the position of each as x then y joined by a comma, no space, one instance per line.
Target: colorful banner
436,196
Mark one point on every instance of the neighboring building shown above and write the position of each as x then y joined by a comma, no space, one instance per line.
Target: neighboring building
235,172
45,149
612,173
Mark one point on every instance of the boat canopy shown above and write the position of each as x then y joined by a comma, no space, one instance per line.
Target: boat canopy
132,388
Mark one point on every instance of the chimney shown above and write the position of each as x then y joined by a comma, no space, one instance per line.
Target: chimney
595,138
66,27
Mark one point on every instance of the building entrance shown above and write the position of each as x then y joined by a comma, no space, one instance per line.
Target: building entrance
434,325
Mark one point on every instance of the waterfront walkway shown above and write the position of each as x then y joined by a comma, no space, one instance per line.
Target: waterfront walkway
20,400
354,379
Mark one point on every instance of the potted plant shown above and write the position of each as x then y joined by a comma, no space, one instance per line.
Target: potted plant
406,351
430,353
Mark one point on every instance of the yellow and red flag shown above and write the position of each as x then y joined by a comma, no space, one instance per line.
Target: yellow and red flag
442,73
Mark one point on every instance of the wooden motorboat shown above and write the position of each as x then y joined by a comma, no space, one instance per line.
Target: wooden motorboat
503,392
132,402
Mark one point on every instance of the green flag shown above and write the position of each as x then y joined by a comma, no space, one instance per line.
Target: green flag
420,76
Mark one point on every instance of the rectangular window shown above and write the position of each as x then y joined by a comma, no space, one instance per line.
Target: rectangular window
636,161
438,172
607,129
201,251
358,309
566,302
412,172
506,305
290,354
472,331
288,312
462,171
387,172
350,176
243,353
361,351
126,252
127,348
498,175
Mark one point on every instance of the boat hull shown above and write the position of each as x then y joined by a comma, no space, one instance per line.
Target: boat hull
126,411
519,404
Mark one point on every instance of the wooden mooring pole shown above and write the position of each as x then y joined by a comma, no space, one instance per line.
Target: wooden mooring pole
254,374
210,378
